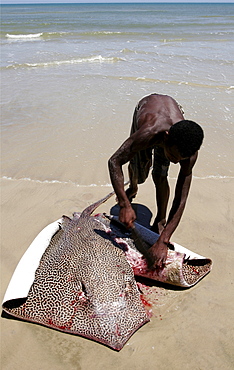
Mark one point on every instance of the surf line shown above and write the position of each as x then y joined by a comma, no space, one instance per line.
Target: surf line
9,178
69,182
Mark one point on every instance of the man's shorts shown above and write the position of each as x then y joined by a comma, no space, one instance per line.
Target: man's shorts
161,163
141,163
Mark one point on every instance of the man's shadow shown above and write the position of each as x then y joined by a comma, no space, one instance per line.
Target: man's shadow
143,214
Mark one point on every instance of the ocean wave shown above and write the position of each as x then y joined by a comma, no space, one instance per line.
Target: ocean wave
69,182
188,36
38,36
215,177
170,82
28,179
100,33
74,34
54,35
31,36
92,59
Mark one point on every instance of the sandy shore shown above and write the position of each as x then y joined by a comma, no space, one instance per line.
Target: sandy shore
194,329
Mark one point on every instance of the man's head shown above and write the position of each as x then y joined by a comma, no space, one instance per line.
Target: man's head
186,136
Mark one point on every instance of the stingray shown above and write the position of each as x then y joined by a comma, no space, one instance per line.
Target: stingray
83,285
78,277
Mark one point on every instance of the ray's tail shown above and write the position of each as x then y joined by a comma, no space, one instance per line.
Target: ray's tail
89,210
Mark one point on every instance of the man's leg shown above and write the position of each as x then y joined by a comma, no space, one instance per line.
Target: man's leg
159,174
162,196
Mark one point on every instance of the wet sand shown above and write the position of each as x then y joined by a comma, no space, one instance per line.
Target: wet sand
191,329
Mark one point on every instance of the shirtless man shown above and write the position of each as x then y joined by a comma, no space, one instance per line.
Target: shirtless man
159,126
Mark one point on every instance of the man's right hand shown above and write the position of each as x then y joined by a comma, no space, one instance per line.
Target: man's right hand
127,216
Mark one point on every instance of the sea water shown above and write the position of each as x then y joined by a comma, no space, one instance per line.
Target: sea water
71,75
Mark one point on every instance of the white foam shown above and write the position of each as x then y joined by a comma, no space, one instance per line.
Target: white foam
218,177
215,177
28,179
92,59
53,182
23,37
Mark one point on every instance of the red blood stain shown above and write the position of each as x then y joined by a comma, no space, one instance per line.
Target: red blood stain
145,302
194,270
117,331
61,327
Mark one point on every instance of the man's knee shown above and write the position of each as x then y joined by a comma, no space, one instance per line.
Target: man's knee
159,179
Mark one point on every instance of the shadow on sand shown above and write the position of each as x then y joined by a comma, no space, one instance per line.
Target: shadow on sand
143,213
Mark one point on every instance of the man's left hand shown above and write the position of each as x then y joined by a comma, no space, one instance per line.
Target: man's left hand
158,253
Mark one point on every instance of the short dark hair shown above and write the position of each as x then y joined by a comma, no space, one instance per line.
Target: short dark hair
187,136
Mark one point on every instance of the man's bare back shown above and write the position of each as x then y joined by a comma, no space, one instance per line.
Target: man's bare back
160,110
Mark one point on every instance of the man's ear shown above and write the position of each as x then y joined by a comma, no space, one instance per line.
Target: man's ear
166,133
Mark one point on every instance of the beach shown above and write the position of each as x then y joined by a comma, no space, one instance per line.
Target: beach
196,330
68,94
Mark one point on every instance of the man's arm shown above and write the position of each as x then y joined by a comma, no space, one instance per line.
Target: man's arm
141,139
159,250
115,163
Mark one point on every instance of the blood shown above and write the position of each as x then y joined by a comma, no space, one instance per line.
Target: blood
117,332
194,270
51,323
145,302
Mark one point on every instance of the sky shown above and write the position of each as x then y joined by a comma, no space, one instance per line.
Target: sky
109,1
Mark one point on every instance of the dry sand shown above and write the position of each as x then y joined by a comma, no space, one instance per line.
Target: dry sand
195,329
